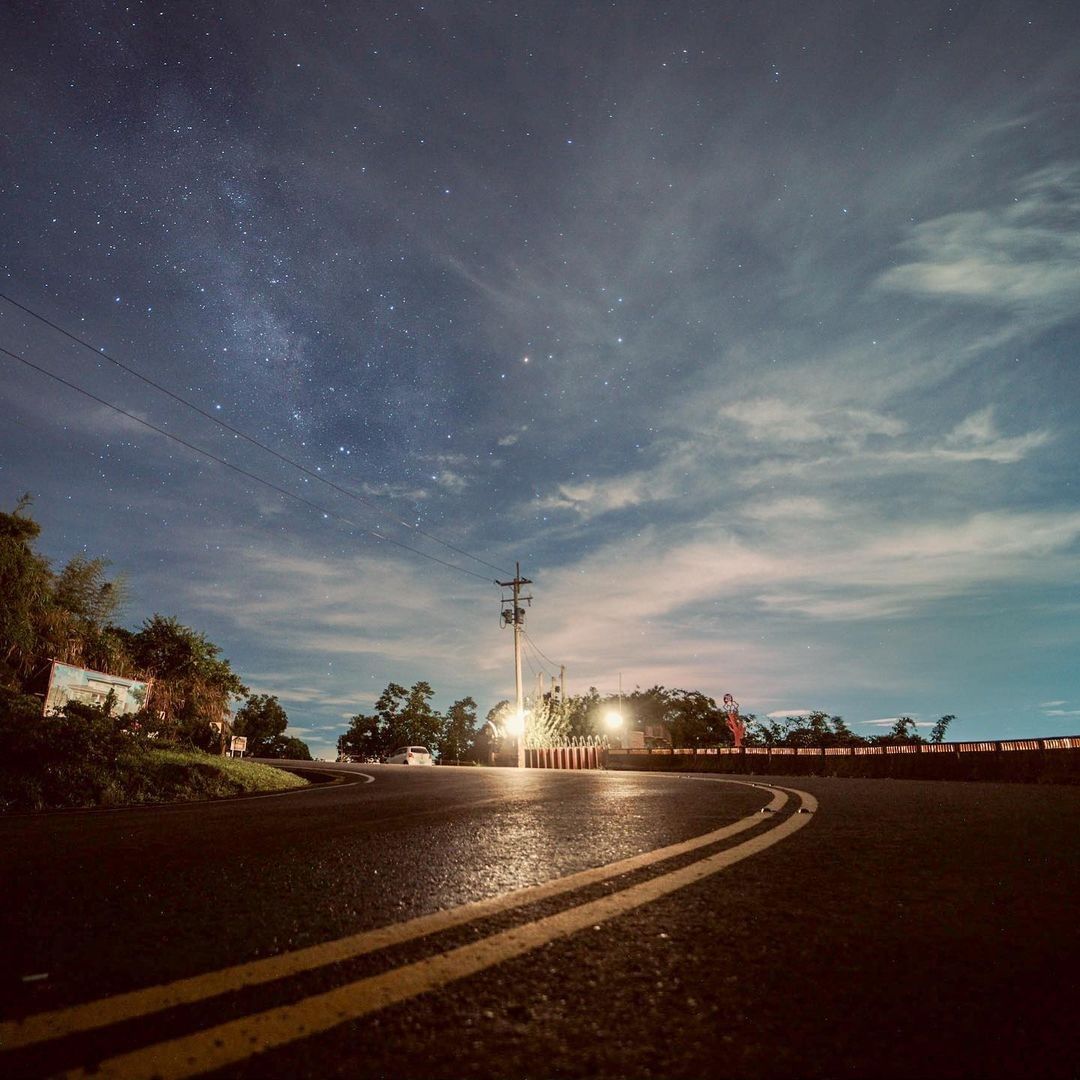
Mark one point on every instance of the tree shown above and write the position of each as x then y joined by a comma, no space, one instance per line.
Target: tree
843,735
767,732
418,721
76,625
54,616
696,721
362,740
809,731
263,721
648,709
459,731
402,717
489,739
546,722
288,746
583,713
816,729
25,591
193,684
937,732
903,731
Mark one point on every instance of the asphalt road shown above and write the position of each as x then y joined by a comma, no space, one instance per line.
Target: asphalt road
898,929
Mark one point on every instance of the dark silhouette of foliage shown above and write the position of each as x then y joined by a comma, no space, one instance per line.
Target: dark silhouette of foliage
401,718
192,684
261,720
26,586
290,747
937,732
902,732
459,732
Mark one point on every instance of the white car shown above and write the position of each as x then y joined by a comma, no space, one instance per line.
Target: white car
411,755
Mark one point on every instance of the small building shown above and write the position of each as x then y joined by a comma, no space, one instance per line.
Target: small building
70,683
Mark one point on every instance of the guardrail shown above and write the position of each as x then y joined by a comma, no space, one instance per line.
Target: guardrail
1067,742
1055,759
571,756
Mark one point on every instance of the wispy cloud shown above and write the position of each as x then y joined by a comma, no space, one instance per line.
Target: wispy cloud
889,721
1024,254
778,421
667,595
451,481
374,606
594,497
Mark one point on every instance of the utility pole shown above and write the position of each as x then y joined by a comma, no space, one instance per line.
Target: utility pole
625,726
515,616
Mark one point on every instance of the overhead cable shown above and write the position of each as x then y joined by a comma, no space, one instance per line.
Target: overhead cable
538,649
243,435
243,472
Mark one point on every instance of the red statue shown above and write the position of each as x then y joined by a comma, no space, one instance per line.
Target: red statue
734,720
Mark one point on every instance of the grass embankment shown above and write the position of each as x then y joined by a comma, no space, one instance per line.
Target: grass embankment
172,775
84,757
143,776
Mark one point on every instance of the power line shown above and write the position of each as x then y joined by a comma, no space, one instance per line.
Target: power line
243,435
532,670
540,667
237,469
539,650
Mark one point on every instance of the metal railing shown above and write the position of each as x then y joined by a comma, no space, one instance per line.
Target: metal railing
575,752
1065,742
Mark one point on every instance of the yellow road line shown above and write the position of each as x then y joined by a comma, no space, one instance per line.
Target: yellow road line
58,1023
237,1040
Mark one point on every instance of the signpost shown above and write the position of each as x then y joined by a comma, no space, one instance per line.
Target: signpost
238,745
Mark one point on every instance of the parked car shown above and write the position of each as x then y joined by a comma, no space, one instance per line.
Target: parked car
411,755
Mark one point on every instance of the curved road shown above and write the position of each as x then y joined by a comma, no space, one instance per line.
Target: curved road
491,923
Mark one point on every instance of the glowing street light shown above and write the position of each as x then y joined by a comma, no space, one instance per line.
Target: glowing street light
515,723
615,722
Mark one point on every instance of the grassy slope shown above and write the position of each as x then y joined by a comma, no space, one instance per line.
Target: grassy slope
208,776
149,776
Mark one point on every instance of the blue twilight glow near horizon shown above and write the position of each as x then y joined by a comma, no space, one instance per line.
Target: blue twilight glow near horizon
750,332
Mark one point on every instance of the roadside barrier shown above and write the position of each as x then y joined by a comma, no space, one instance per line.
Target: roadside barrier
1068,742
585,753
1055,759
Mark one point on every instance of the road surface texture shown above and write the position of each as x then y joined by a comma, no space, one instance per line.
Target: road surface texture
391,925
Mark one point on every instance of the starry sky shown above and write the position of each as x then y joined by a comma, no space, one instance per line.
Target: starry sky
749,329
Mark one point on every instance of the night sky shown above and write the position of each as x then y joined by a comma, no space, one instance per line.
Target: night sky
749,329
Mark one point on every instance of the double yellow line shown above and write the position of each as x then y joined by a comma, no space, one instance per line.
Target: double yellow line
236,1040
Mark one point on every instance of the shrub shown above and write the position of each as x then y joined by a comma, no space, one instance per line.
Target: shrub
63,760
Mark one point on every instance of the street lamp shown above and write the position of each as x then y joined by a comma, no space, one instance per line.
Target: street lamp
515,726
614,721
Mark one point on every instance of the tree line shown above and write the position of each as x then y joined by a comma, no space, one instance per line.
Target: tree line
69,614
405,717
687,718
690,718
